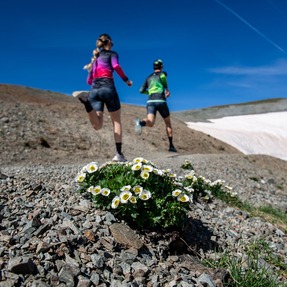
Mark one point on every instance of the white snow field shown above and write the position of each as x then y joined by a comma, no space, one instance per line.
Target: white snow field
250,134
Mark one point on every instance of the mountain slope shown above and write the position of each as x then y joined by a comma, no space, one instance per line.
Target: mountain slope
45,127
249,108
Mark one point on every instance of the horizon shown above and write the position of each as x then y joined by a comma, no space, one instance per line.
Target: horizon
216,52
263,101
208,107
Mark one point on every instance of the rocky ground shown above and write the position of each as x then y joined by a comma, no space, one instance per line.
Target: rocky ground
52,236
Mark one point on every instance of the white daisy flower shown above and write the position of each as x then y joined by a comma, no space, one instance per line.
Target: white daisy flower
126,188
125,196
97,190
133,199
144,174
116,201
183,198
172,175
156,171
80,177
145,195
138,159
230,191
176,192
105,191
217,182
137,166
189,175
137,189
148,168
90,189
92,167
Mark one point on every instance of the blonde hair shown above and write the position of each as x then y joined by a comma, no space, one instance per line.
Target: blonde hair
89,66
96,52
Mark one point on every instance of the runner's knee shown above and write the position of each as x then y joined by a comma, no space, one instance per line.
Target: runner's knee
97,127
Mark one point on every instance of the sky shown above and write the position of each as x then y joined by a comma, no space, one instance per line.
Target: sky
215,52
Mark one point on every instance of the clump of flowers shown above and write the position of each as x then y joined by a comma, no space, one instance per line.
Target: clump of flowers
142,194
187,164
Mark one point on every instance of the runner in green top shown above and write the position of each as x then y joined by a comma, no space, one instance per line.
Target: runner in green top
156,87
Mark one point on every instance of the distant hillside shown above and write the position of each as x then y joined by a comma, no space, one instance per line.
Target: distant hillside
39,126
249,108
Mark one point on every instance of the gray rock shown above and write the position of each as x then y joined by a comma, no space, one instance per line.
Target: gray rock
73,244
66,276
22,265
123,234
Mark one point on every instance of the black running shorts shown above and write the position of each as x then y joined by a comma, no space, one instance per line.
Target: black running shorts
161,107
104,92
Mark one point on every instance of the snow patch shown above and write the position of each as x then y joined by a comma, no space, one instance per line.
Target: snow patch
250,134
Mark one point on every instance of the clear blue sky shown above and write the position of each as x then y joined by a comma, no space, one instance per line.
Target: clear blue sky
215,52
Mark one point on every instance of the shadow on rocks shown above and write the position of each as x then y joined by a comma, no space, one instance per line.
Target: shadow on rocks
193,239
198,237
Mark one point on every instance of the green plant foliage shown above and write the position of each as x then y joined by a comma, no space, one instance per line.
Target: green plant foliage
142,194
250,269
276,213
187,165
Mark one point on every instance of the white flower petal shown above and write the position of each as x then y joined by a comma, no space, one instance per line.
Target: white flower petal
138,159
125,196
105,191
148,168
92,167
80,177
145,195
137,189
97,190
144,174
183,198
90,189
133,200
115,203
176,192
137,166
126,188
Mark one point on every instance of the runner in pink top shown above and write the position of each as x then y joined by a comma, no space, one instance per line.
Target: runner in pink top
103,91
104,66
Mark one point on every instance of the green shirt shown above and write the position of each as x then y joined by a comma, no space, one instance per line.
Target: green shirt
155,85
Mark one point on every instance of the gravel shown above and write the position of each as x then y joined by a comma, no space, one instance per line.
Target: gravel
52,236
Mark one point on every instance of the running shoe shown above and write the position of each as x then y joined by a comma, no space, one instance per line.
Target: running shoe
119,157
81,95
138,127
172,149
